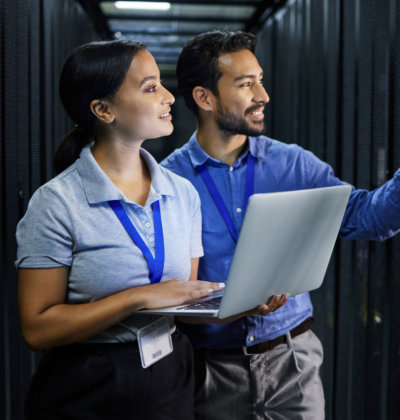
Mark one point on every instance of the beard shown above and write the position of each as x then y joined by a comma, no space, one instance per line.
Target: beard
232,124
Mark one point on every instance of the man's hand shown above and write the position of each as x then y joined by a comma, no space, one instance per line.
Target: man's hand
275,303
264,309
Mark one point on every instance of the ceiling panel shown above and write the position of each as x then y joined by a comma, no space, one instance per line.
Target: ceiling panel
184,10
168,27
166,31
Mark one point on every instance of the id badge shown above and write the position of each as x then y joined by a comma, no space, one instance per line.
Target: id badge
154,342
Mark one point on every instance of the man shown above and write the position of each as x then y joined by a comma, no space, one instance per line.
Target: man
255,367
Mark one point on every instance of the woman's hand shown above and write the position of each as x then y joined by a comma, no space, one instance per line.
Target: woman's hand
175,292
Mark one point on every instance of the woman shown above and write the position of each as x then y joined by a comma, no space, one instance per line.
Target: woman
83,269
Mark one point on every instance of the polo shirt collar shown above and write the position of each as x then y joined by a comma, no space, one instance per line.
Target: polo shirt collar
198,156
99,188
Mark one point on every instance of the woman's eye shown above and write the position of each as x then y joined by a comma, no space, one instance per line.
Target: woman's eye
261,82
151,88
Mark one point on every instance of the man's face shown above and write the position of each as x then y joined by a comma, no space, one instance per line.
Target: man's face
242,97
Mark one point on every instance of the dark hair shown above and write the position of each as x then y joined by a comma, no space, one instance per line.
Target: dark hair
198,62
92,71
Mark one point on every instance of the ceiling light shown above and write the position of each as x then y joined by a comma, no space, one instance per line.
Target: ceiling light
142,5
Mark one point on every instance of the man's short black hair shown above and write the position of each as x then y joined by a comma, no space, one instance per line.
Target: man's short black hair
198,62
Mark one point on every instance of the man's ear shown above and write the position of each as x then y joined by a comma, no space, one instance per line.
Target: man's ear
102,110
204,98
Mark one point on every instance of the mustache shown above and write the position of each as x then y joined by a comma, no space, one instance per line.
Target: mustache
255,108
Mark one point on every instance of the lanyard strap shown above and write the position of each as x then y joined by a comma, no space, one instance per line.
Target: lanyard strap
156,265
216,196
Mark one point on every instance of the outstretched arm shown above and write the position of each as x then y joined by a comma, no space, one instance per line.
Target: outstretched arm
373,215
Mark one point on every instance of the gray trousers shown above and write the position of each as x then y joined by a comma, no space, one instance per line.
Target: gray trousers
282,383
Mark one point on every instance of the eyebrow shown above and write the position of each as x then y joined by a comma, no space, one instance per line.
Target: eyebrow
147,79
247,76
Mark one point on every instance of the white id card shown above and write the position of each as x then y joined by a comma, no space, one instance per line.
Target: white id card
154,341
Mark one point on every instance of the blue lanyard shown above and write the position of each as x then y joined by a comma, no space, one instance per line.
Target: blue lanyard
216,196
156,265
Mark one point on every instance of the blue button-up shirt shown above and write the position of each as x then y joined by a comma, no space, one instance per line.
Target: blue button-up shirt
278,167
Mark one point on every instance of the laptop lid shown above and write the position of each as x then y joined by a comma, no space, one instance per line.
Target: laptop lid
284,246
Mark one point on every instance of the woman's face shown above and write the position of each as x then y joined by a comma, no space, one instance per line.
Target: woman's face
142,106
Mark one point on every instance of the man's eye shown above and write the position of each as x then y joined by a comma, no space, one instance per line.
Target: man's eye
246,84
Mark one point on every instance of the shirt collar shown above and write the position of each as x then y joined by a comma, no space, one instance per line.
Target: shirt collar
255,149
99,188
198,156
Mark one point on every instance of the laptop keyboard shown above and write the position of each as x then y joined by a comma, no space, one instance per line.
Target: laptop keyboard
208,304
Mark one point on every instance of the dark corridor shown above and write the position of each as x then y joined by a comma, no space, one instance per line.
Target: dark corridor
332,70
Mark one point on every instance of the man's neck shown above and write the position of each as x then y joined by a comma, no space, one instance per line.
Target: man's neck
226,148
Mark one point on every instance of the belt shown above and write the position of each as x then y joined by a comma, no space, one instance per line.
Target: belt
267,345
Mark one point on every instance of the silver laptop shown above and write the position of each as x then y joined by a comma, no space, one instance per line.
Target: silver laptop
284,246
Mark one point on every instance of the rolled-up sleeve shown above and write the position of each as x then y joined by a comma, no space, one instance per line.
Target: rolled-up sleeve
371,215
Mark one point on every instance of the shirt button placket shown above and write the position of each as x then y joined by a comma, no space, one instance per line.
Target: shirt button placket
237,210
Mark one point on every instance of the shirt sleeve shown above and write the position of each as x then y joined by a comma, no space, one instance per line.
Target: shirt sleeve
43,237
196,247
371,215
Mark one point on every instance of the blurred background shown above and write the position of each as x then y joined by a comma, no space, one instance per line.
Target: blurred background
332,70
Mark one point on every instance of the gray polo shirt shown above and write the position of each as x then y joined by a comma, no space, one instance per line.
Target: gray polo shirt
70,223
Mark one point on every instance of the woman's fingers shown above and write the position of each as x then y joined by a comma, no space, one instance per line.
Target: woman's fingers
176,291
212,286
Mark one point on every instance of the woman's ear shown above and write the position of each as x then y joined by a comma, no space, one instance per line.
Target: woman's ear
204,98
101,109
